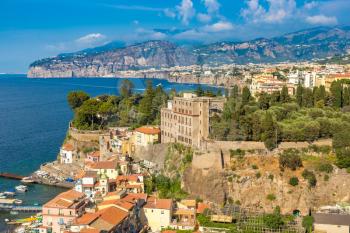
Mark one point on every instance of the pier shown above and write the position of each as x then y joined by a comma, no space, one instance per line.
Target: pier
20,208
11,176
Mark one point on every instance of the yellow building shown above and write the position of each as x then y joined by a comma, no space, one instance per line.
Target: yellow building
146,135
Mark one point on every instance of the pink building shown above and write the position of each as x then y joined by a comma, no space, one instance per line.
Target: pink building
60,212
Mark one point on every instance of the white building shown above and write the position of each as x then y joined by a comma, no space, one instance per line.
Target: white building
67,153
158,213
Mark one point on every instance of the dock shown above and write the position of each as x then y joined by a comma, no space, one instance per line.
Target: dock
20,208
11,176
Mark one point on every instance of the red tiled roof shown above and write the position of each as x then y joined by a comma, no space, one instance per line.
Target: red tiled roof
159,204
148,130
104,165
113,215
89,230
87,218
132,197
68,147
201,207
121,203
65,199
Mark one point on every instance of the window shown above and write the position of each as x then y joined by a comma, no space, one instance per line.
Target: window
162,212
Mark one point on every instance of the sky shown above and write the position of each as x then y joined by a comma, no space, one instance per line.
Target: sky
35,29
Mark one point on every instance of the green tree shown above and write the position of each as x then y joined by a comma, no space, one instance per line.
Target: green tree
246,95
336,90
86,115
235,91
269,131
290,159
77,98
264,101
308,100
126,88
346,96
284,95
145,106
274,220
299,95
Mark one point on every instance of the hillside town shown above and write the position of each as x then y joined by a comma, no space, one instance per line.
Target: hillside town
107,184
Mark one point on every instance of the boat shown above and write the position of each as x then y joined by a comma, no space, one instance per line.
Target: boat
3,196
10,192
27,180
21,188
17,201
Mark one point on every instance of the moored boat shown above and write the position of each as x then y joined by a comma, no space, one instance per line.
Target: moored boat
27,180
21,188
17,201
10,192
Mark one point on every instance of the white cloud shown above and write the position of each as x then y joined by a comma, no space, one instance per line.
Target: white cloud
219,27
204,18
276,12
186,11
212,6
169,13
322,20
90,38
311,5
147,34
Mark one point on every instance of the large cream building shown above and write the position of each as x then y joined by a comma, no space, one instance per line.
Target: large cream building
187,119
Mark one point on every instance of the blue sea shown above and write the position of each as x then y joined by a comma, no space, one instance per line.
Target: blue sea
34,117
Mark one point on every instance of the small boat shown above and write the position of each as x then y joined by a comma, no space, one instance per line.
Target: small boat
3,196
10,192
21,188
17,201
27,180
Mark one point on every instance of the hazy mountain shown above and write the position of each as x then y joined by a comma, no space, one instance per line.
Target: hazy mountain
315,43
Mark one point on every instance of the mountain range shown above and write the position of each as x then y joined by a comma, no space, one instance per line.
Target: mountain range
108,60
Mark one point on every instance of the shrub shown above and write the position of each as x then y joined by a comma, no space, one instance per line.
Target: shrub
271,177
310,177
238,153
271,197
307,223
325,167
294,181
258,175
326,177
290,159
274,220
254,166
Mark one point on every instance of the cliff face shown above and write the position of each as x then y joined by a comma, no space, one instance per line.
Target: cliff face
111,61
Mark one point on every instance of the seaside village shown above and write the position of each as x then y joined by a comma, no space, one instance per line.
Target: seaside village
108,186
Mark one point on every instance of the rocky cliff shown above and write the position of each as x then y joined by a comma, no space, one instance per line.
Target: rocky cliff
112,61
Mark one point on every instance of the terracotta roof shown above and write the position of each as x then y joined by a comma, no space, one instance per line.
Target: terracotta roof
104,165
185,212
109,218
201,207
68,147
65,199
132,197
95,154
89,230
133,177
148,130
86,219
169,231
118,203
165,204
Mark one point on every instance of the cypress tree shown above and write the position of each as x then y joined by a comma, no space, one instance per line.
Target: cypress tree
269,135
284,98
299,95
308,100
337,93
246,96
